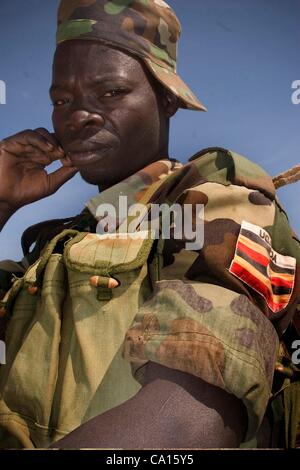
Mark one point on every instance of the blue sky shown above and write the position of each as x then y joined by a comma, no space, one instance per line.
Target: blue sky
239,56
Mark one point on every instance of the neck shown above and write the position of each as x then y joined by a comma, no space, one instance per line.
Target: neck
162,155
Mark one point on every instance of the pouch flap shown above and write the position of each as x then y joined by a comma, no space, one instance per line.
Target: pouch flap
108,254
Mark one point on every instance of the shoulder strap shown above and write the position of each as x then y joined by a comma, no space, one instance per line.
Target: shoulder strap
287,177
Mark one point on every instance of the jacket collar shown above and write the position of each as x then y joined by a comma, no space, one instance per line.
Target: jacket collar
134,186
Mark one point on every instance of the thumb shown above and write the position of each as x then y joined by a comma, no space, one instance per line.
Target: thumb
60,177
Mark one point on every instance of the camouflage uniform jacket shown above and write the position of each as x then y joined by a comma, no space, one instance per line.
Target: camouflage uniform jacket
217,312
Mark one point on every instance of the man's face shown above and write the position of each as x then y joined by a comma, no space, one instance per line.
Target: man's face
107,115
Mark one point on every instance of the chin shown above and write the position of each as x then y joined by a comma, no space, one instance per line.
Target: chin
91,178
98,179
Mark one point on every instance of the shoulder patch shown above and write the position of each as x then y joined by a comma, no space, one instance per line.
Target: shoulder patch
269,273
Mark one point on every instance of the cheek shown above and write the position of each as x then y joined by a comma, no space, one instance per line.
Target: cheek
140,121
56,121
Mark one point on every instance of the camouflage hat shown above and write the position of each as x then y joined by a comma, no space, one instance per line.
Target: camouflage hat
148,29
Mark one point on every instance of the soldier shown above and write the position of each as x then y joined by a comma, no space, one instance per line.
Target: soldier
201,327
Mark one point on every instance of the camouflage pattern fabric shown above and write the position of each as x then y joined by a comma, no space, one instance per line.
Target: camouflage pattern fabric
214,327
149,29
60,321
194,315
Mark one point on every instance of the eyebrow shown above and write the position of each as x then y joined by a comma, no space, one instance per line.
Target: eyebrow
98,80
55,87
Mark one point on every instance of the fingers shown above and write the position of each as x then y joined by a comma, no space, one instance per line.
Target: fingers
31,154
57,151
66,161
34,139
50,137
38,144
59,177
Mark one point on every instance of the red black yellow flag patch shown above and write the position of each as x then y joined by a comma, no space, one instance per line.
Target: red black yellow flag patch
256,263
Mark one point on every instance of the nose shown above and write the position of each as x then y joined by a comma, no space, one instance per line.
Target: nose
82,118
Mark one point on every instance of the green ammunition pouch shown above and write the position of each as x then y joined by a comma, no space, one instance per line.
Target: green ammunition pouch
65,335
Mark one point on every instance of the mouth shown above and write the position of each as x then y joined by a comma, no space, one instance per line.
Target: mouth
88,157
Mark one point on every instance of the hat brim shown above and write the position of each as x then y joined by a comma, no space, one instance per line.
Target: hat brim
175,84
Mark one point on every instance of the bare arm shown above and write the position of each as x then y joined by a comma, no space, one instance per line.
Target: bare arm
172,410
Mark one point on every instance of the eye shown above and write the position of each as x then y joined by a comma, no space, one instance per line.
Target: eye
58,103
115,92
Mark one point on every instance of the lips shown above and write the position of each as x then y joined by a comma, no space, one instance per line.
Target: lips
88,157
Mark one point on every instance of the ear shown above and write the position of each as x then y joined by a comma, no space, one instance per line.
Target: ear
170,103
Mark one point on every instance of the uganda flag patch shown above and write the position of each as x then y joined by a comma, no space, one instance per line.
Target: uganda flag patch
256,263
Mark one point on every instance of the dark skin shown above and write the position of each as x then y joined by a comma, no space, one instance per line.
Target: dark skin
111,119
102,102
99,127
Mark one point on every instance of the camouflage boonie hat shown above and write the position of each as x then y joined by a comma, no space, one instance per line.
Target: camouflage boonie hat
148,29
